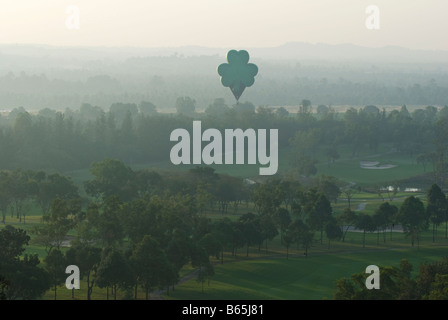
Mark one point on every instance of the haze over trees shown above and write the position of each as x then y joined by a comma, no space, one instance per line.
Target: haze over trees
59,78
134,230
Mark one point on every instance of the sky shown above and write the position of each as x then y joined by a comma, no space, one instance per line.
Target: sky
414,24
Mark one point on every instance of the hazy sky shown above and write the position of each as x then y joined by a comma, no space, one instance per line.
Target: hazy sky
416,24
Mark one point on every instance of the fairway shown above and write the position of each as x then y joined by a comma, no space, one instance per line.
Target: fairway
296,278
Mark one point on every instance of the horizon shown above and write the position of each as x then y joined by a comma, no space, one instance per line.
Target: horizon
264,24
387,46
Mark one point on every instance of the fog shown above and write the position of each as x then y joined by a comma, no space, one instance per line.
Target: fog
38,76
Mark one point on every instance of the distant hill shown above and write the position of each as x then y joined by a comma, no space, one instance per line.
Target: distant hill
288,51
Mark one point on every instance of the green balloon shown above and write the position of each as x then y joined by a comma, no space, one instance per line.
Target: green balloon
238,73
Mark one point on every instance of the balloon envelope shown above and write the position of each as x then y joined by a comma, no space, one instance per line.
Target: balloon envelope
238,73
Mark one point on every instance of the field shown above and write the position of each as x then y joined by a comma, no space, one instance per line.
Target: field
272,276
296,278
266,273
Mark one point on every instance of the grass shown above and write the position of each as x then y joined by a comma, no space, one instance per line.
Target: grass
306,278
270,275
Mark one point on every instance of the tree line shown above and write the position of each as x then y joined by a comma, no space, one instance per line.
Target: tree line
136,230
139,134
397,283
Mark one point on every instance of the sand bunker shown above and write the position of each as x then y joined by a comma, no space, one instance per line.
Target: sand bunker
375,165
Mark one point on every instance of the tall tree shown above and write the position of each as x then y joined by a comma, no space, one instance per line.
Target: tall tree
114,271
5,193
54,186
436,207
414,218
185,106
150,263
320,214
365,223
332,230
346,219
55,264
87,258
111,177
251,229
56,224
388,213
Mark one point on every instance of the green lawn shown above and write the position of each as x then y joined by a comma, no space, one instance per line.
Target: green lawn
299,277
269,275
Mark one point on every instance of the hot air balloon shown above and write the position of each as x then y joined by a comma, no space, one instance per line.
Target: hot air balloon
238,73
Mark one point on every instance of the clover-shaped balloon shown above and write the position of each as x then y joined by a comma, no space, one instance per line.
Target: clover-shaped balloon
237,74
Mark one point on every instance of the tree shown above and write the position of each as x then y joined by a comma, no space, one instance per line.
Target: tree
364,222
282,112
282,219
298,232
111,177
120,110
87,258
380,222
4,284
320,214
147,108
185,106
422,159
322,109
114,271
396,284
12,242
20,278
439,288
5,193
413,217
388,213
200,260
349,192
329,187
205,273
52,187
108,221
436,207
347,218
268,197
431,279
22,187
57,222
371,109
245,109
250,226
306,166
55,264
305,107
288,237
218,108
268,229
149,263
332,230
24,279
222,230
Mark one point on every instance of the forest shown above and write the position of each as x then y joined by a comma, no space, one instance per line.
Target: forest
138,134
133,228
